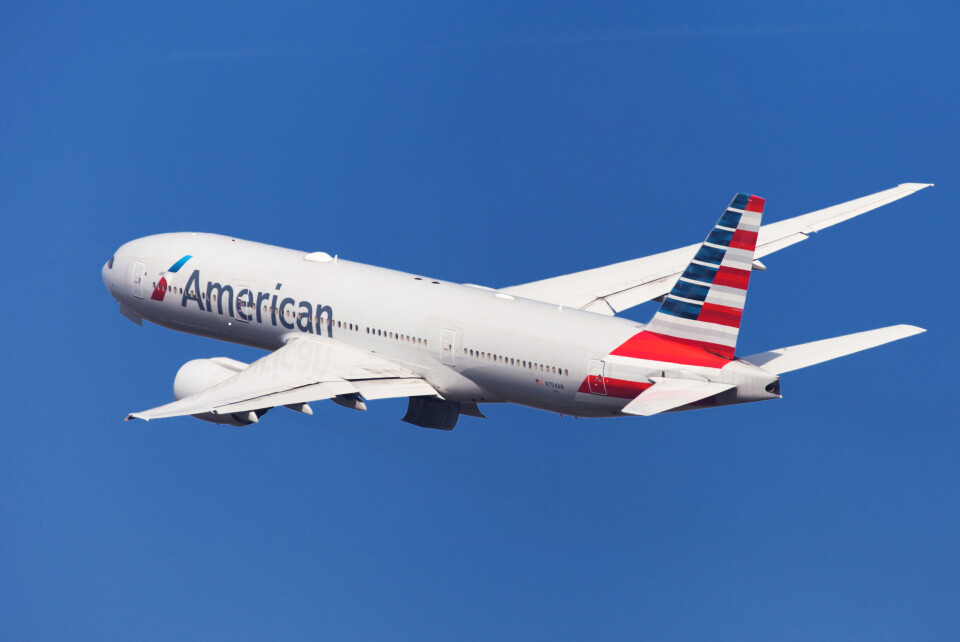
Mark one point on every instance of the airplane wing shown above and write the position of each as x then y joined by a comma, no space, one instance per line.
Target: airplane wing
614,288
305,369
809,354
668,394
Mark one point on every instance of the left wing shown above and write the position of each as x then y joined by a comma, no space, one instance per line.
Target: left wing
614,288
669,394
305,369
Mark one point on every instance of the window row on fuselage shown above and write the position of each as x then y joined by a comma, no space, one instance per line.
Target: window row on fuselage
397,336
293,314
513,361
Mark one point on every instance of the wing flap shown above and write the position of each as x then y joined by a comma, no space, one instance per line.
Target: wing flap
305,369
669,394
389,388
304,394
809,354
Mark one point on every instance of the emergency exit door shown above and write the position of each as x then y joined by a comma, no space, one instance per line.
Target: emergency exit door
595,377
448,339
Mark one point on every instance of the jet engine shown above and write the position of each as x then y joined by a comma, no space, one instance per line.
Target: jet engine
202,374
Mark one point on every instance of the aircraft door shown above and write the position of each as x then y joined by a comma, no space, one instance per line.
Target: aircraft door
595,377
245,306
137,274
448,341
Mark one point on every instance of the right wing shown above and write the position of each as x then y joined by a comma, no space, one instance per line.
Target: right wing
613,288
305,369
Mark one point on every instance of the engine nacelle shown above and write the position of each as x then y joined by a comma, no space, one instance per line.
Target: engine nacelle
202,374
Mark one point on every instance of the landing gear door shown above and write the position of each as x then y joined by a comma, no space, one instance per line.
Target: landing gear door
595,377
448,341
137,274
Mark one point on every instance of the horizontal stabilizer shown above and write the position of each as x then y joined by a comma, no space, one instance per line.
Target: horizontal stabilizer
809,354
669,394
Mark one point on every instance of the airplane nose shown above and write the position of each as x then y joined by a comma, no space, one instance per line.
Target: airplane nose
107,273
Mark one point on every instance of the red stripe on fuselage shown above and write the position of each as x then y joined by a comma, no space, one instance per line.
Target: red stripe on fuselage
755,204
732,277
721,314
619,388
624,389
658,347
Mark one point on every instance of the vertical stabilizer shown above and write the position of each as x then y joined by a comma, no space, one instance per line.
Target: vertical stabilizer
705,305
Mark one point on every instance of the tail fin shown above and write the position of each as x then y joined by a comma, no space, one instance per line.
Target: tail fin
705,305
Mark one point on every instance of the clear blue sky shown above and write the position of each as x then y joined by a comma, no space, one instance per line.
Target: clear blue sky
488,143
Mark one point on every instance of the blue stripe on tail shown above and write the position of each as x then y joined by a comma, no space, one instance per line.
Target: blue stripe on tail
680,308
701,273
730,219
719,237
709,255
690,291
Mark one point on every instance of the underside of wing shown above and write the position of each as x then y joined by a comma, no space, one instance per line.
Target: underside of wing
305,369
613,288
670,394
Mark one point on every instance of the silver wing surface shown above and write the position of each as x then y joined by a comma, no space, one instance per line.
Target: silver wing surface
668,394
305,369
614,288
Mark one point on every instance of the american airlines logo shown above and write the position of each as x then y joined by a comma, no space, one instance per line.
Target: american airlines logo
251,305
161,289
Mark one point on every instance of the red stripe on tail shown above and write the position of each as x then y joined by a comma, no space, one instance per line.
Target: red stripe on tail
720,314
755,204
744,240
732,277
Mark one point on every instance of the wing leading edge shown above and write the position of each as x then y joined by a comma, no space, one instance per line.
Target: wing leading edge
613,288
305,369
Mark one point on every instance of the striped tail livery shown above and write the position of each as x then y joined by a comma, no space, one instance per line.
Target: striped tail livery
705,305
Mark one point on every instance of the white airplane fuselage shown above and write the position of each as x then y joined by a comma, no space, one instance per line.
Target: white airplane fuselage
474,345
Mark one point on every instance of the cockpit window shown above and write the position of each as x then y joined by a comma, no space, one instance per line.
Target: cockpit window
110,263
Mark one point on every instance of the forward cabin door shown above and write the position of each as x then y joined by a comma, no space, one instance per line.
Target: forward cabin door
595,377
448,342
137,274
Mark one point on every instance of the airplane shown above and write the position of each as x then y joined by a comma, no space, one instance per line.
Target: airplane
354,333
